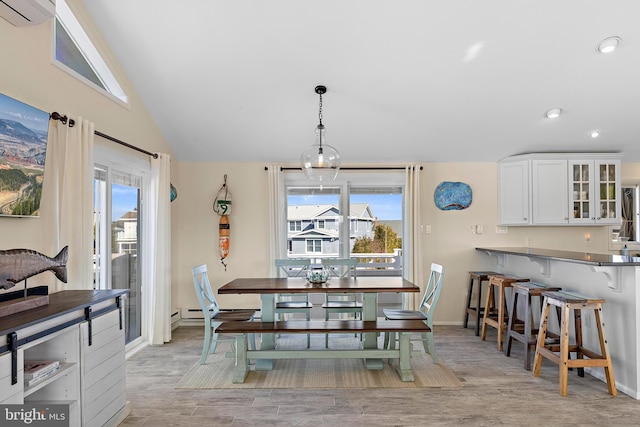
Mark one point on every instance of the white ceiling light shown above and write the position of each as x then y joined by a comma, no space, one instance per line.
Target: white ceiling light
594,134
553,113
609,44
320,162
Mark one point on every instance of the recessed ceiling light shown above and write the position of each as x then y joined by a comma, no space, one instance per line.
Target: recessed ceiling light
594,134
553,113
609,44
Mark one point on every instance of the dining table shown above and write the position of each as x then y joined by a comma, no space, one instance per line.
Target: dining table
368,286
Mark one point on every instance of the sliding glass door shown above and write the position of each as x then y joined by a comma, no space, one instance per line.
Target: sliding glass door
117,227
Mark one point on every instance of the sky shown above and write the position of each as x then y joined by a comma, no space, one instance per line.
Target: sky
123,200
383,206
12,109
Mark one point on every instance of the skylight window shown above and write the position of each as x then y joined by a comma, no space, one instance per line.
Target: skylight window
77,54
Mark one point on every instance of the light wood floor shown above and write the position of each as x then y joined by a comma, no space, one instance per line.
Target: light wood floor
497,391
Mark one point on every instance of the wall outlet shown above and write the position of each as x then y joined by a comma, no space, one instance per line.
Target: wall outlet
479,228
501,230
427,229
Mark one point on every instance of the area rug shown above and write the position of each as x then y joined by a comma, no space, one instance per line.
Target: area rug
316,373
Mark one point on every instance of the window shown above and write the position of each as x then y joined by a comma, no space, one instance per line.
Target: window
359,215
628,233
314,246
76,54
295,225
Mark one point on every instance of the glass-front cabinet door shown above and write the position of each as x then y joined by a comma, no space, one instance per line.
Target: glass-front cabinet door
608,192
581,192
595,194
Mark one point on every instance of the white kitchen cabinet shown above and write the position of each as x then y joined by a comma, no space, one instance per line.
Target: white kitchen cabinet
549,192
559,189
513,195
595,191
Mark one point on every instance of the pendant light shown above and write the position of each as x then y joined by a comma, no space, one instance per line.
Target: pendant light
320,162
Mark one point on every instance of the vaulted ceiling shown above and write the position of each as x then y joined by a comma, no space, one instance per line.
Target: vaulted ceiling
407,80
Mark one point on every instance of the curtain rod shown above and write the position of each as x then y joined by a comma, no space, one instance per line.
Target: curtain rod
372,168
56,116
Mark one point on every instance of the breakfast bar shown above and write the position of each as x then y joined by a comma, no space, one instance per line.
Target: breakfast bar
613,278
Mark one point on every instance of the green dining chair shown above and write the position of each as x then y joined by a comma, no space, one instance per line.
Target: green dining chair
291,304
213,316
341,303
425,312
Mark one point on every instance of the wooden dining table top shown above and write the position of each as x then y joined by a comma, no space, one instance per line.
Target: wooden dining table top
292,285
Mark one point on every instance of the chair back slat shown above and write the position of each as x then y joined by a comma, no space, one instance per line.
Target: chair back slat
204,292
341,267
292,267
432,292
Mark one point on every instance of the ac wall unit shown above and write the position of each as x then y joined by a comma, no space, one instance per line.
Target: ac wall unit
27,12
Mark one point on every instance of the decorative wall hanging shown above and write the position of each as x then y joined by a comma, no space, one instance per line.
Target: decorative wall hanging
222,206
173,193
453,196
23,147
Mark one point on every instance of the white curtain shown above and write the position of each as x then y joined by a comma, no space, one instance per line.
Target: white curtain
277,198
412,253
67,199
157,256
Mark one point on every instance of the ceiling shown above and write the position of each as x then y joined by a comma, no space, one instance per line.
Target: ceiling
407,80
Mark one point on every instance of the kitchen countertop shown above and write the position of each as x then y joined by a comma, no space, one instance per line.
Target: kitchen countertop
607,260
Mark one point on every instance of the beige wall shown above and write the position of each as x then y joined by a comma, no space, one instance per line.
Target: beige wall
451,242
28,75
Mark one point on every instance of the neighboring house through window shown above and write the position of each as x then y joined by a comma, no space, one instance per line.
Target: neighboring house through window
318,228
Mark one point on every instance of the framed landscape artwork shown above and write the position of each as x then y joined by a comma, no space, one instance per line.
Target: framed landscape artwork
23,148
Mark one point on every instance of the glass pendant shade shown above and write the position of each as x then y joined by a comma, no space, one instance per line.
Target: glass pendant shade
320,162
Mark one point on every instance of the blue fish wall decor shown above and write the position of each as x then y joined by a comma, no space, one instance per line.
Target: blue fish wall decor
451,196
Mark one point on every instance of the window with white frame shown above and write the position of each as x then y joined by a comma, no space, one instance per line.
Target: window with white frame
368,217
76,54
314,246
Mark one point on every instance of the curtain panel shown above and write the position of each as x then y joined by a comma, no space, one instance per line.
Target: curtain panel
157,265
412,252
277,198
67,198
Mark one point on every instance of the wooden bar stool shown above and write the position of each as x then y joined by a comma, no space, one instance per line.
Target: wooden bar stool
478,311
496,316
523,329
559,354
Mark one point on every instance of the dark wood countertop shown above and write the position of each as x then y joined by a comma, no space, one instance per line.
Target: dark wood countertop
602,260
60,304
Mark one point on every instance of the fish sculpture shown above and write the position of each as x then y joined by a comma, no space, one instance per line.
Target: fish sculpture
17,265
